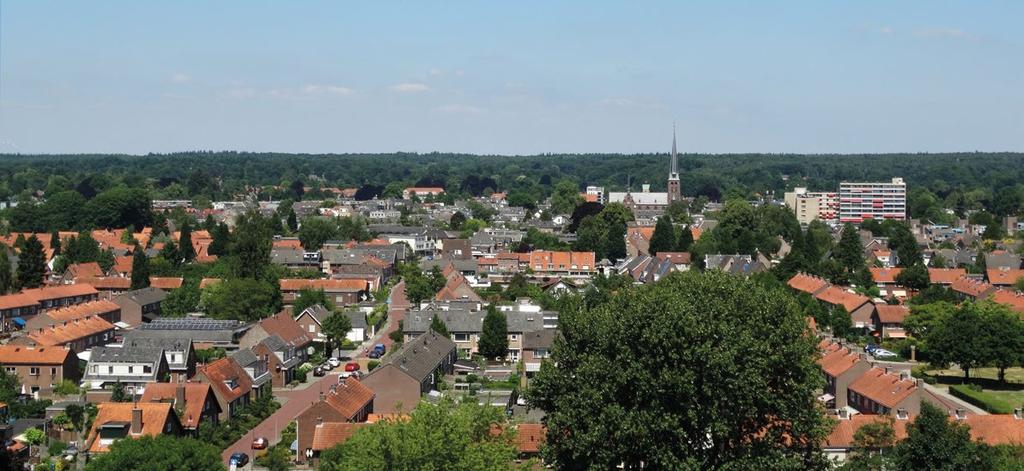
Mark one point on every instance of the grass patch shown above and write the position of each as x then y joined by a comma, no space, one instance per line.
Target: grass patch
995,402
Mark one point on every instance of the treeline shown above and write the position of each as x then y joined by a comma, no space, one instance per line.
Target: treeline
960,181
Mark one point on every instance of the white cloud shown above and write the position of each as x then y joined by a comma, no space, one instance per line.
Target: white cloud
179,77
885,30
621,102
410,87
943,33
435,72
327,90
456,108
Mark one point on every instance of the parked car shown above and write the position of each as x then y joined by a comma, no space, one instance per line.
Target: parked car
260,443
380,349
319,371
334,362
238,459
881,353
374,354
351,366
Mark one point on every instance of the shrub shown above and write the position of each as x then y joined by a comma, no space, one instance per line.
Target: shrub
57,448
372,364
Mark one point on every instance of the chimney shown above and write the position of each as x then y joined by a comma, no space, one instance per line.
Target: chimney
1018,413
136,421
903,376
960,414
902,414
179,395
843,414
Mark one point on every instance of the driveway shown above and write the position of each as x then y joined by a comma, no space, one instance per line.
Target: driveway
293,403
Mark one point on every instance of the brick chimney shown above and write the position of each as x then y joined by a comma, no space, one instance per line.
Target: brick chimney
136,421
179,396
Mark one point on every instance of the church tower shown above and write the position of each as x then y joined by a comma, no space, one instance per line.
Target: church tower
674,192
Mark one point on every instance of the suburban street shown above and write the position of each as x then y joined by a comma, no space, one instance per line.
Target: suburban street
295,400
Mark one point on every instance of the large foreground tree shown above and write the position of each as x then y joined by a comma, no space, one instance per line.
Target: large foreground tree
162,452
684,374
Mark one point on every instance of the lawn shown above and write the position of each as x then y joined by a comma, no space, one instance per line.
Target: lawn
1013,375
997,402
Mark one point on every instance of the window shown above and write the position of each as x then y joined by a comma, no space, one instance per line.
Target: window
53,371
461,337
34,371
312,328
147,369
110,370
131,369
9,369
513,336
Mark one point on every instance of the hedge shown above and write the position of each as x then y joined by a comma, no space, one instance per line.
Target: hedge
981,399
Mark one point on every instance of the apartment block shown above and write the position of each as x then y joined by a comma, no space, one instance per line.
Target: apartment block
811,205
861,201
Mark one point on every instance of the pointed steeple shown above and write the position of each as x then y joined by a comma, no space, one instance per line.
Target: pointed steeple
674,168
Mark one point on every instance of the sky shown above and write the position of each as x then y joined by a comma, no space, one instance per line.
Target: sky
519,77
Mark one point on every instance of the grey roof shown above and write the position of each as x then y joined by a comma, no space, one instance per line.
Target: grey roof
316,311
143,296
462,265
144,338
1002,260
543,339
357,318
199,330
458,320
420,357
126,354
275,343
286,256
245,357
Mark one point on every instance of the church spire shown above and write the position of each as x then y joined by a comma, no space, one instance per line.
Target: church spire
674,168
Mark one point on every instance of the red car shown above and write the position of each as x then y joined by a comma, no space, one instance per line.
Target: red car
353,366
260,443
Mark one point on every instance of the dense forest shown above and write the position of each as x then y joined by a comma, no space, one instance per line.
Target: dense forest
958,181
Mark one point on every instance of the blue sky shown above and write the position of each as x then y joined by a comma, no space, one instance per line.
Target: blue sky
511,77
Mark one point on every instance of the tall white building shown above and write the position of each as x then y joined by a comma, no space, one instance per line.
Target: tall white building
810,205
861,201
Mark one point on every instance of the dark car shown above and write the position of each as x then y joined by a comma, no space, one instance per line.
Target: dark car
239,459
374,354
319,371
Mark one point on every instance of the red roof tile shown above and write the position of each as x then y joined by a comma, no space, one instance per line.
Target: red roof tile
945,276
328,434
225,369
530,437
884,275
891,314
884,388
282,325
74,330
295,284
23,355
839,297
195,397
154,418
349,398
1004,277
809,284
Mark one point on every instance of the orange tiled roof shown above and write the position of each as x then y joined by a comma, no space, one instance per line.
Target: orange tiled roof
884,388
107,282
295,284
66,333
548,260
349,398
205,282
225,369
998,276
971,287
195,397
838,362
842,435
22,355
640,232
328,434
530,437
76,270
885,275
838,297
60,291
11,301
945,276
425,189
892,314
122,265
80,311
996,429
1011,298
282,325
457,288
154,418
166,283
287,244
809,284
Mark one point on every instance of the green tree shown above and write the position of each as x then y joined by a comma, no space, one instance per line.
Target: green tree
164,452
106,260
140,268
905,244
959,338
251,247
871,443
685,239
309,297
850,254
494,334
1004,337
278,458
182,300
439,436
914,277
592,236
243,299
119,394
31,264
185,249
55,242
315,231
438,325
614,241
221,240
34,437
664,237
565,197
336,327
169,252
6,277
456,221
687,341
936,443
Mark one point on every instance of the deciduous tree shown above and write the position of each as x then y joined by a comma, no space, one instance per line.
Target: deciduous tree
164,452
936,443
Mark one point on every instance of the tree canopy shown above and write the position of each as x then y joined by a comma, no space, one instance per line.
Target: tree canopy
164,452
654,376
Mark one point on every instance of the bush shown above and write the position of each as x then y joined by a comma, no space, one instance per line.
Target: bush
372,364
57,448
